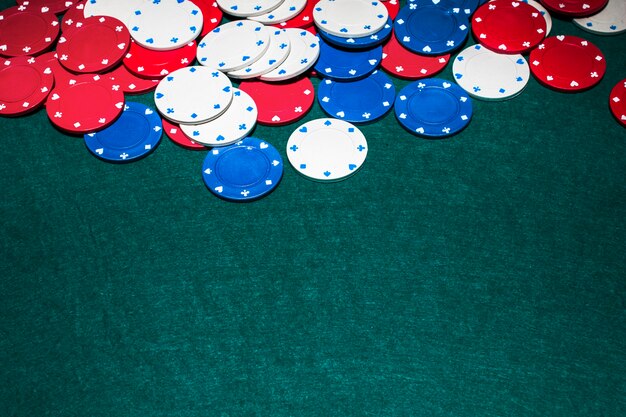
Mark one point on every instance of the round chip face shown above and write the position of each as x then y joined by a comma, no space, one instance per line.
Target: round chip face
305,51
281,103
428,28
244,8
342,64
359,101
574,8
172,130
27,30
73,18
348,18
302,20
130,83
402,63
85,104
567,63
157,64
288,9
274,55
609,21
135,134
244,171
97,45
193,95
165,24
488,75
359,42
327,149
433,108
233,45
211,15
53,6
508,27
25,83
232,125
617,102
122,10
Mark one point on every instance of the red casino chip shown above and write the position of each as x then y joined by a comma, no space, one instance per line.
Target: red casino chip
617,102
27,30
402,63
25,83
73,18
567,63
281,103
61,74
178,137
54,6
89,103
97,45
303,20
393,7
508,27
211,15
574,8
148,63
130,83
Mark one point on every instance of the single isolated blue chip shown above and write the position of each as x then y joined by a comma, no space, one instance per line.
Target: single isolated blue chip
359,42
429,28
246,170
433,108
135,134
341,64
359,101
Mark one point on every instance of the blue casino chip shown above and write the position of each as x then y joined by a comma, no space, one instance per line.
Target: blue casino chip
135,134
462,7
246,170
433,108
360,101
362,42
429,28
341,64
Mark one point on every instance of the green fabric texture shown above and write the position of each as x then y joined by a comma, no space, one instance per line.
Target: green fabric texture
479,275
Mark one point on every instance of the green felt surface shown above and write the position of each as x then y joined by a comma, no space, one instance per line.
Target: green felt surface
480,275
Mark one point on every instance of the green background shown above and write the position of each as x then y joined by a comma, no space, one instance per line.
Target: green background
480,275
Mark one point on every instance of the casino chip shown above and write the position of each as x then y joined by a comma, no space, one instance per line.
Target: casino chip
349,18
393,7
567,63
87,103
135,134
327,149
280,103
233,45
360,101
193,95
305,50
27,30
508,27
403,63
61,74
363,42
25,83
617,102
97,45
302,20
53,6
244,171
274,55
433,108
545,13
211,15
288,9
488,75
427,27
177,136
122,10
461,7
575,8
245,8
130,83
609,21
342,64
232,125
164,25
157,64
73,18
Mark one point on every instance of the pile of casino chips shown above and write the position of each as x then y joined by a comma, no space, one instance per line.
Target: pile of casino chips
219,68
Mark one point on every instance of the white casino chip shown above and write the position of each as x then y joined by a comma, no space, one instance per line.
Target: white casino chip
287,10
247,8
305,49
276,53
350,18
122,10
609,21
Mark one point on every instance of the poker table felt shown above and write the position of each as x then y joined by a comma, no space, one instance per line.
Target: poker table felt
479,275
